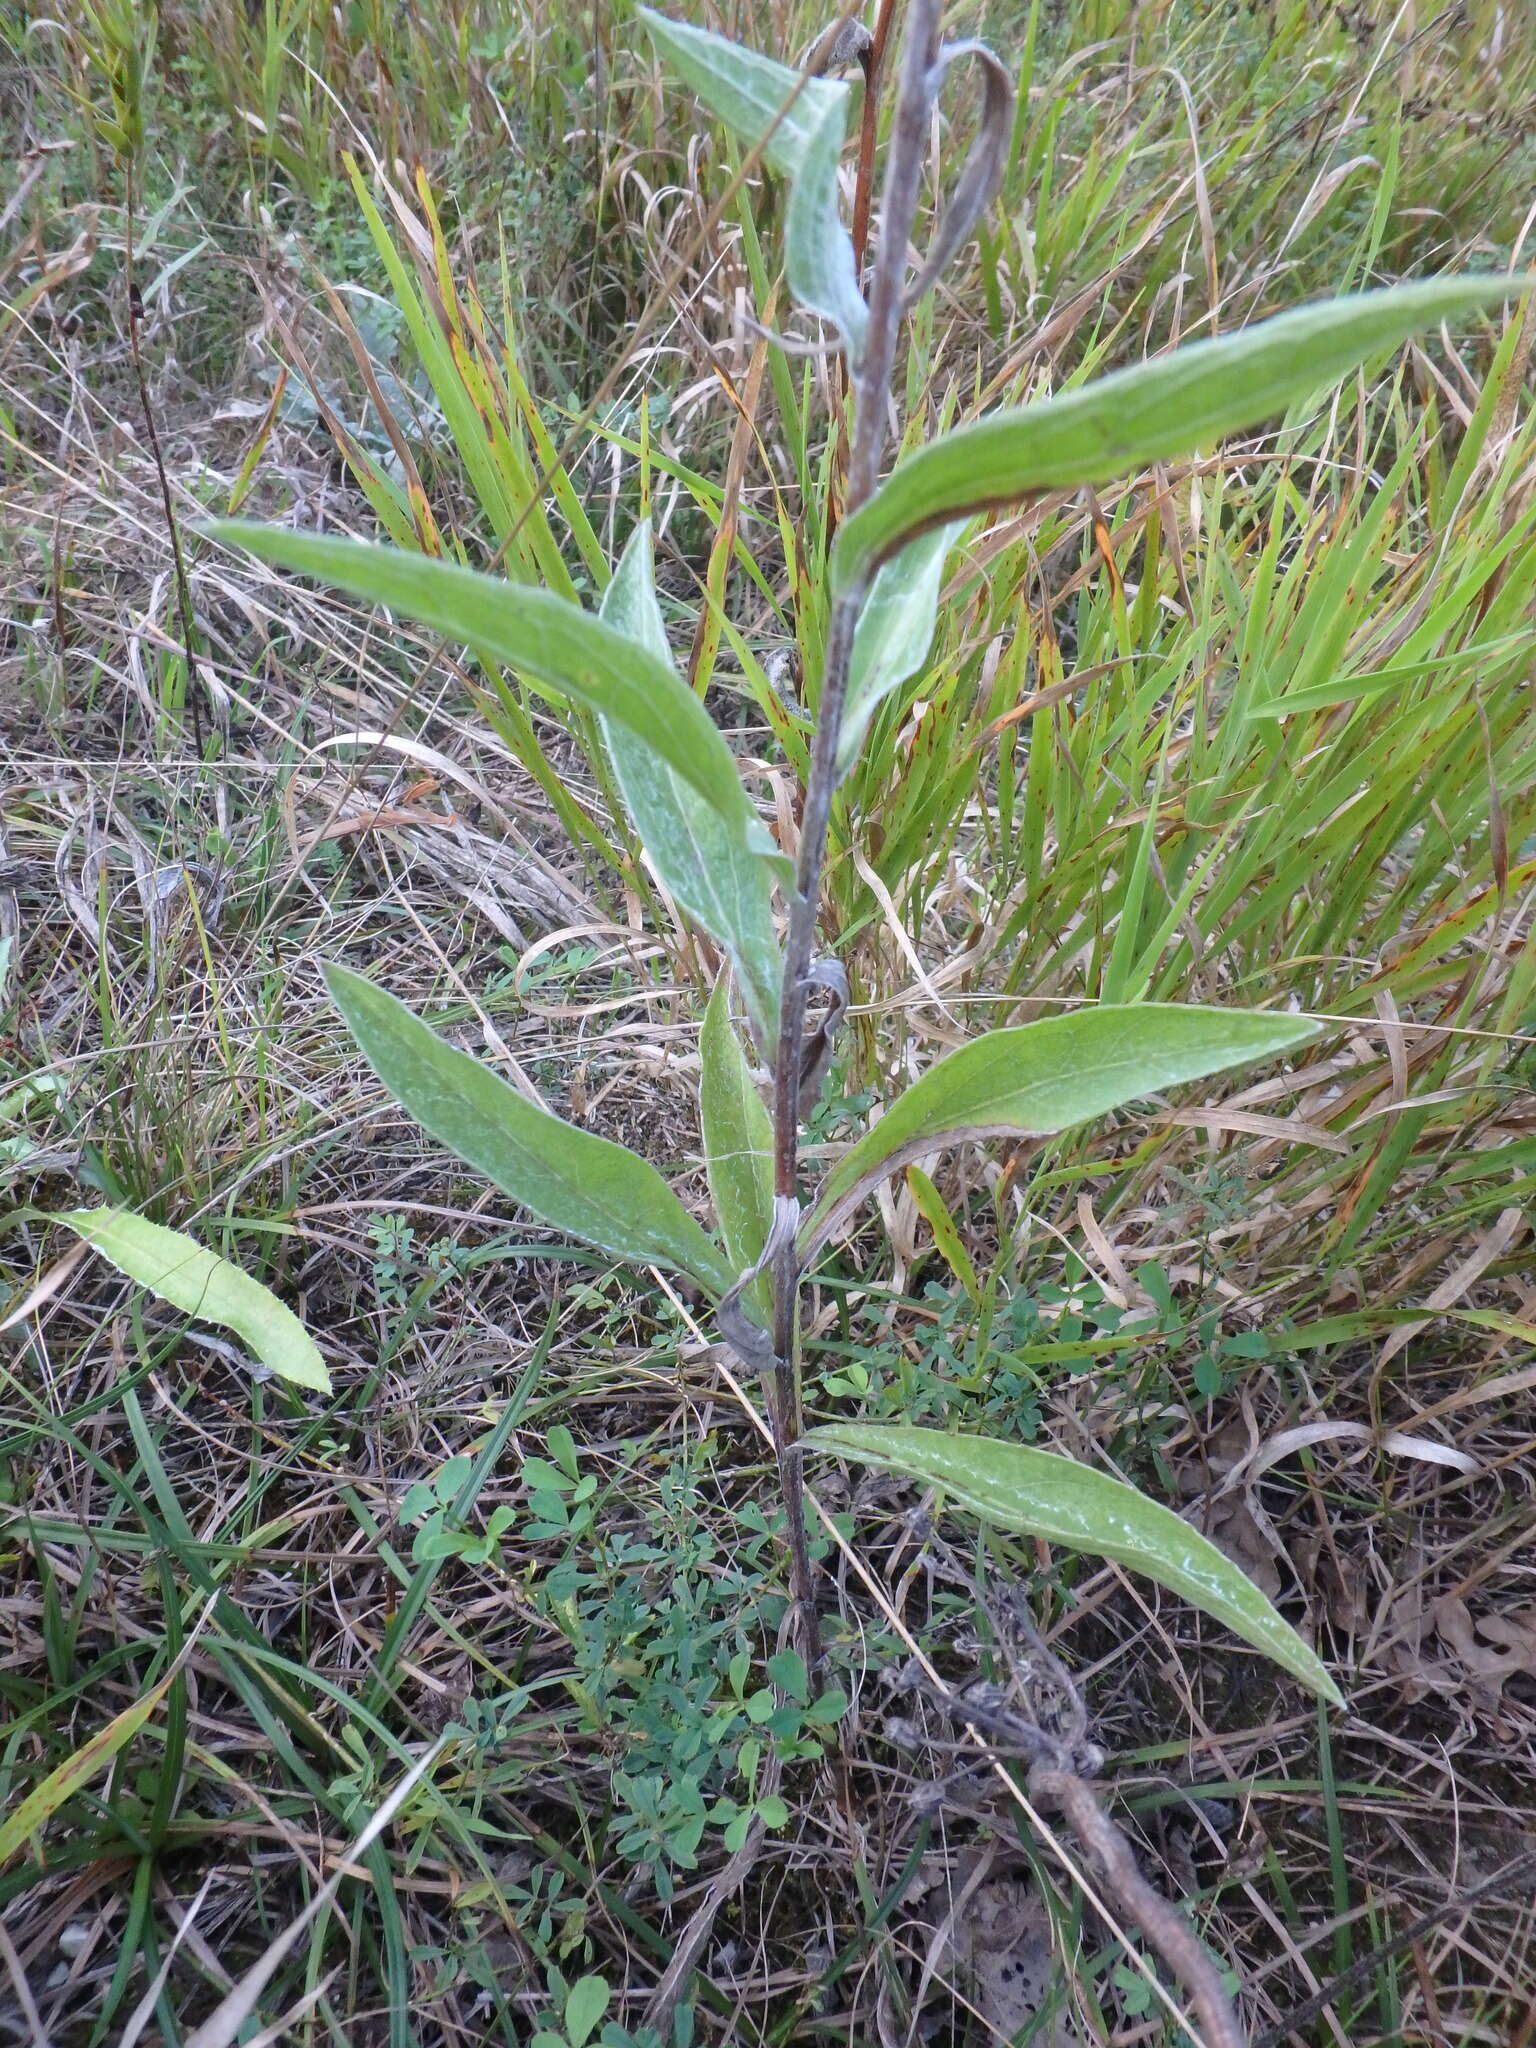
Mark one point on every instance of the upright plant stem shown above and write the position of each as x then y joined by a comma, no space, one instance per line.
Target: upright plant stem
874,71
179,566
871,389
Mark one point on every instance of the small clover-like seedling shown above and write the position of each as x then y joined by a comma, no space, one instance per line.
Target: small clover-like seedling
737,1820
784,1711
486,1724
577,2014
559,1494
782,1716
665,1821
434,1504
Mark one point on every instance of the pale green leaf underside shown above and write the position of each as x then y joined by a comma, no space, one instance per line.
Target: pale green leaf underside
1034,1080
894,633
580,1183
549,641
198,1282
804,121
738,1145
1150,412
1037,1493
701,861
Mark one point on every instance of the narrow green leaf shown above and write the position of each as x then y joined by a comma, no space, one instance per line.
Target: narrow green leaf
894,633
32,1814
582,1184
1036,1079
548,640
1038,1493
1360,689
738,1147
190,1277
1150,412
804,121
700,859
934,1211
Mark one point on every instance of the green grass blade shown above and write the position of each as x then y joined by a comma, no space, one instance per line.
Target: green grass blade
32,1814
1361,688
419,1591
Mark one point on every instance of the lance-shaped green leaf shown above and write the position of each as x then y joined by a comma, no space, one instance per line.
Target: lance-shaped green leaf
738,1147
701,861
1037,1493
28,1818
894,633
1150,412
551,642
1034,1080
198,1282
1361,688
801,122
582,1184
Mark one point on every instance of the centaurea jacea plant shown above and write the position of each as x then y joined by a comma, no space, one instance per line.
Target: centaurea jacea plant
718,864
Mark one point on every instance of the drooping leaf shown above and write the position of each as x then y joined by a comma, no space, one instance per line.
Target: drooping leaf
1033,1080
197,1281
738,1147
549,641
582,1184
804,121
985,165
894,633
1150,412
701,861
1038,1493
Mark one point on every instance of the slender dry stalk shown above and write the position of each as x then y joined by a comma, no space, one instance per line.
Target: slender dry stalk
873,60
1167,1930
172,527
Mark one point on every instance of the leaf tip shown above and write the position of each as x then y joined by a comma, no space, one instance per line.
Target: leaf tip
343,982
1327,1691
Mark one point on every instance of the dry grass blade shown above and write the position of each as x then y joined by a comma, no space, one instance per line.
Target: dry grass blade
225,2024
143,2013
